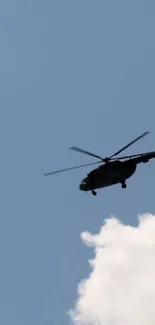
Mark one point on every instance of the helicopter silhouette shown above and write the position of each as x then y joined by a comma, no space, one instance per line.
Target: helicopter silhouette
112,171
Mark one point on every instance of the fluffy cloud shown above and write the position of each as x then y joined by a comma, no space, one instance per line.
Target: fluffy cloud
120,289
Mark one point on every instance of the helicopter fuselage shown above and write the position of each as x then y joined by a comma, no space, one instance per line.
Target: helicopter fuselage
114,172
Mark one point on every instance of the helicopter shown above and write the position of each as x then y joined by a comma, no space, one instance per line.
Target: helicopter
112,170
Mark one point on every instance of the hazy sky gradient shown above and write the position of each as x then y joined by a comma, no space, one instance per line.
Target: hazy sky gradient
71,73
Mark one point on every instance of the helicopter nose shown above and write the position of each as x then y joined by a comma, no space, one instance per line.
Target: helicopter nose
81,187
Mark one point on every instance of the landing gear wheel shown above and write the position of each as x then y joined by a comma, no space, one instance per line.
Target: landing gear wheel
124,185
94,193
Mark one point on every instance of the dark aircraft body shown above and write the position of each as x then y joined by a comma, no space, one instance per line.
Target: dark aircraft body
116,172
112,171
107,175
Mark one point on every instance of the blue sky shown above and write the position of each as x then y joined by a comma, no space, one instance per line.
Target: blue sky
71,73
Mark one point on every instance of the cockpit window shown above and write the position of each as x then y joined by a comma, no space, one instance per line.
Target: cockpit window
84,182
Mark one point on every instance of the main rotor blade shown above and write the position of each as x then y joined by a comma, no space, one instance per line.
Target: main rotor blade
128,145
86,152
132,156
70,168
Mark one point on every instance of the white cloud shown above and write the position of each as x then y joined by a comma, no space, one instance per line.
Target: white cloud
120,289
